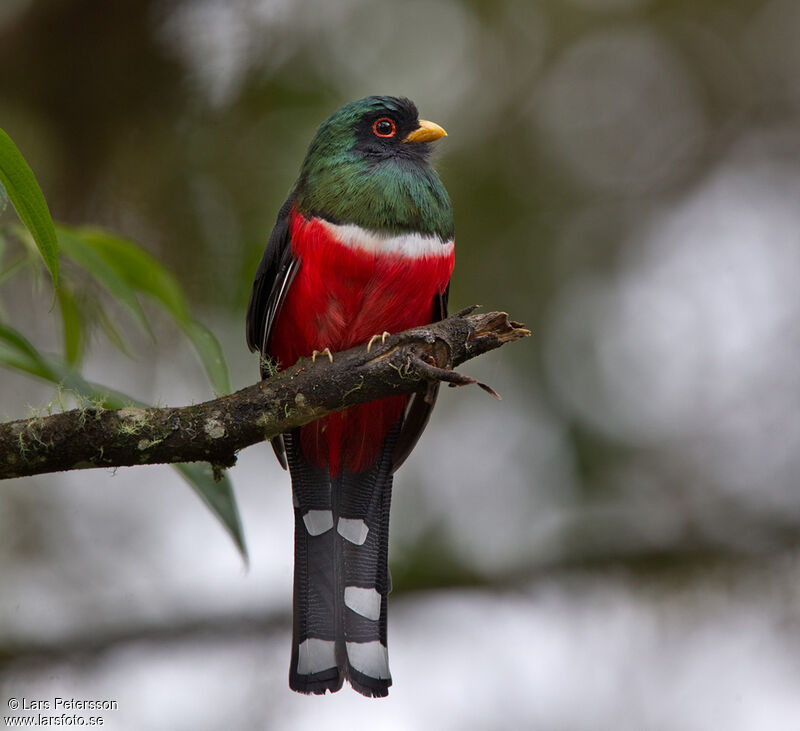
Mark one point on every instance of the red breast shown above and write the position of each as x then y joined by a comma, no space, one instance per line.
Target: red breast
351,285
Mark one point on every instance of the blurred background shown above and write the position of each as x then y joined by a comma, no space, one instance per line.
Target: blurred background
616,545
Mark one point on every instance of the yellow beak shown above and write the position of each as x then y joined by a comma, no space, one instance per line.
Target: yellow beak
426,132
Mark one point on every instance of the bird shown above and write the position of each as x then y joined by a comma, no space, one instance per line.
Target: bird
362,247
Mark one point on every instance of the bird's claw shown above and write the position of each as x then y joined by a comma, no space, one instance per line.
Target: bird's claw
327,352
382,337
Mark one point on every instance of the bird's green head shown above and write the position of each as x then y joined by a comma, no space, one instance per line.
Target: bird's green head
368,165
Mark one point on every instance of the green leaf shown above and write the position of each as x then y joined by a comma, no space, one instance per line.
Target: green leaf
73,331
20,184
109,328
139,269
218,495
210,351
85,255
145,274
18,353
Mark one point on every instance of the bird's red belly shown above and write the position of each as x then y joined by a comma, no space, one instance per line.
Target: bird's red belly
340,297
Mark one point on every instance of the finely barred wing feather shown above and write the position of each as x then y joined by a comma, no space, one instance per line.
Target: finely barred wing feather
272,281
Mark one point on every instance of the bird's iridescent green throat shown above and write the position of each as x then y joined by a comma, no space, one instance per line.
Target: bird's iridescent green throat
359,169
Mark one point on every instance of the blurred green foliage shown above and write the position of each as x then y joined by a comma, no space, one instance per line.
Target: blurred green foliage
100,261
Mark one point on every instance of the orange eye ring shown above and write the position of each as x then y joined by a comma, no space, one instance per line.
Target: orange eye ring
384,127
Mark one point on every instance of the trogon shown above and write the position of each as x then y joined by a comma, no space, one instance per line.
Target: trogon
363,246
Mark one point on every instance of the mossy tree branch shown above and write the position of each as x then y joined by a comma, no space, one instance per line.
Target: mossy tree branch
216,430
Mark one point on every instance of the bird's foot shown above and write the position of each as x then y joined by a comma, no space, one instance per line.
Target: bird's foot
382,337
327,352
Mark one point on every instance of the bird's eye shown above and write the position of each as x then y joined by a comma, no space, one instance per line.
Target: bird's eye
384,127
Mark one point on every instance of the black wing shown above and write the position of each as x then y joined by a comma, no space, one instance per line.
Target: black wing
271,283
273,278
418,410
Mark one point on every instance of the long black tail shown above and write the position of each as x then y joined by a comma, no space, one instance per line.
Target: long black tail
341,574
